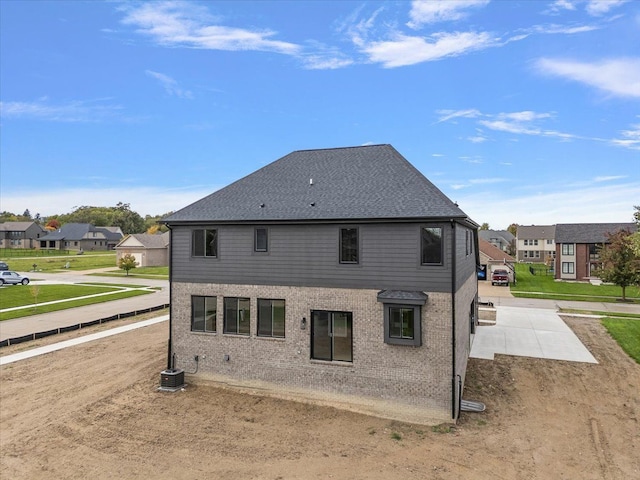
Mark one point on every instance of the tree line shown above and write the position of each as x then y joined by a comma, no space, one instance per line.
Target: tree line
119,215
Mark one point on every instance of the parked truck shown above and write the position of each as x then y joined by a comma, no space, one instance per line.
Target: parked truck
500,276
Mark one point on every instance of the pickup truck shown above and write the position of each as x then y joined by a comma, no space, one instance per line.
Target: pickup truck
500,277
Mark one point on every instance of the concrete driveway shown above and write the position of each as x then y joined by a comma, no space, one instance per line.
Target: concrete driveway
529,332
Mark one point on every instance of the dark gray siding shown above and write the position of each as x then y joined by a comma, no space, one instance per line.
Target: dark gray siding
307,255
466,255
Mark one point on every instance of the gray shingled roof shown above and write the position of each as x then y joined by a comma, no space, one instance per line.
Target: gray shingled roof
15,226
370,182
77,231
588,232
490,234
151,240
535,232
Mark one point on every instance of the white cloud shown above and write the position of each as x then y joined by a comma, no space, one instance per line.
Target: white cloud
405,50
169,84
609,178
593,7
593,204
143,200
630,138
600,7
446,115
477,139
74,111
184,24
430,11
620,77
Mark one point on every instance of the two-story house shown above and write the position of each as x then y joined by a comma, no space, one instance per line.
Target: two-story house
338,275
536,244
20,234
502,239
577,244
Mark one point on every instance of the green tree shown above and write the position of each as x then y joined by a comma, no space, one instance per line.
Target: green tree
635,238
620,263
513,229
484,226
127,262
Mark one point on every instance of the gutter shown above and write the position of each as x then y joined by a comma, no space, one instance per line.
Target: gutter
170,365
453,319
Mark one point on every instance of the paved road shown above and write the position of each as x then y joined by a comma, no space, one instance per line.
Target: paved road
48,321
500,296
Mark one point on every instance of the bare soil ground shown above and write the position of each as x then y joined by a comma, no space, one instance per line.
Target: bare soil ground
93,412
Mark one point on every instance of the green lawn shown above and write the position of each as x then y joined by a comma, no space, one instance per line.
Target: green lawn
544,286
19,295
159,273
52,264
627,333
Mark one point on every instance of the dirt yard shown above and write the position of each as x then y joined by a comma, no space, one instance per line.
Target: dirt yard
93,412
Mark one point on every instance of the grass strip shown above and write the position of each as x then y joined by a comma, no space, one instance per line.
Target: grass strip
627,333
38,309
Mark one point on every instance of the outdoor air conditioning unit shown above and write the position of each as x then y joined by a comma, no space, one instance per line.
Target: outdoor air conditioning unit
172,379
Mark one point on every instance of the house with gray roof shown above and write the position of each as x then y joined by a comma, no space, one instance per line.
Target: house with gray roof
536,244
148,250
20,234
339,276
499,238
82,236
577,246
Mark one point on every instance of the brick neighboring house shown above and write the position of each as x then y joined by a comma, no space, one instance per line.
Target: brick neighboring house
82,236
536,244
339,276
577,247
148,250
20,234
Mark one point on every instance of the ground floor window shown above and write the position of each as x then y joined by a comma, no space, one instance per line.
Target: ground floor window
237,316
332,335
203,313
270,318
567,267
402,324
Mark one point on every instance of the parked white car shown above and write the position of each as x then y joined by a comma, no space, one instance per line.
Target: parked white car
13,278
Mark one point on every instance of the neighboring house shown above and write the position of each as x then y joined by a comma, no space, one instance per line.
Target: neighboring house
339,275
20,234
536,244
577,247
499,238
492,257
82,236
148,250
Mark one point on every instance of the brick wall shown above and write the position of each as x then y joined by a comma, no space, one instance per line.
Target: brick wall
400,382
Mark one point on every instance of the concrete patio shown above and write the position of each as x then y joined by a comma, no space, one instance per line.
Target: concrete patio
529,332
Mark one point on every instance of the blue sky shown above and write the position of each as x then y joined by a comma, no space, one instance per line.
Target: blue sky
525,112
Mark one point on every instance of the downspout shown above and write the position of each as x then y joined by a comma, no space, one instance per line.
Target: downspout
453,320
170,362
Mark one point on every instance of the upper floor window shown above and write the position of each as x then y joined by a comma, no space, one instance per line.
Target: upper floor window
261,240
349,245
270,318
567,249
549,241
204,243
431,245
